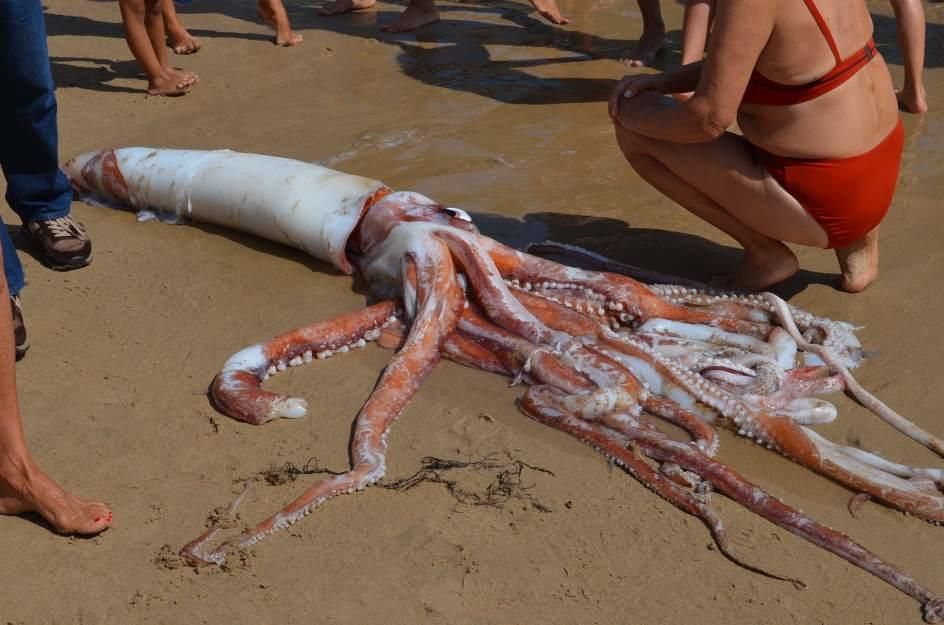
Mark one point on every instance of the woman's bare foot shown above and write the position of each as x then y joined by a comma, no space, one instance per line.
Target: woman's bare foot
647,48
172,82
180,40
859,263
763,267
25,488
913,98
345,6
412,18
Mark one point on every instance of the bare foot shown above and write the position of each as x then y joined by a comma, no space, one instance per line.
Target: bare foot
763,267
171,83
284,35
549,11
859,263
913,98
181,41
25,488
288,38
345,6
182,76
646,50
412,18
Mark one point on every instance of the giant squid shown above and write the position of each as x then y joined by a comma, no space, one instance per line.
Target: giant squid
603,355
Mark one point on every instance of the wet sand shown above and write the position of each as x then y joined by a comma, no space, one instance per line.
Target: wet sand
499,114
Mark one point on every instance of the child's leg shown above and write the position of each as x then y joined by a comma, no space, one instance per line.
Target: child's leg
695,26
134,15
273,13
178,39
154,24
419,13
653,39
909,16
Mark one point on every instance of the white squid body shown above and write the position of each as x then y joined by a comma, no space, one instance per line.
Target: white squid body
305,206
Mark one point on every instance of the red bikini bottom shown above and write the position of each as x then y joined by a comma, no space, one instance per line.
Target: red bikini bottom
848,197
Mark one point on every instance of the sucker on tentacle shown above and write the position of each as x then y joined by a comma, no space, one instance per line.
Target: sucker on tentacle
610,355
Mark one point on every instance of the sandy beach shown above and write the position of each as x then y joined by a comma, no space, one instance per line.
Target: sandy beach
493,111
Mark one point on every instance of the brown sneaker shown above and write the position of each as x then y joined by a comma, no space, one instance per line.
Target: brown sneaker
21,341
62,243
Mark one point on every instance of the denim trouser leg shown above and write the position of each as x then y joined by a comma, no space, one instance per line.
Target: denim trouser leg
12,268
29,150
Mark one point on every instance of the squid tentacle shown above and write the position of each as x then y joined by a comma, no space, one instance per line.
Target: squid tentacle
620,293
494,297
617,448
464,351
237,388
867,399
659,447
521,355
193,552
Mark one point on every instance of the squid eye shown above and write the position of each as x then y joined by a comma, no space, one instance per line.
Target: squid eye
458,213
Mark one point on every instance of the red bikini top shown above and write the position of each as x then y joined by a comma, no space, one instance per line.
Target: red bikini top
761,90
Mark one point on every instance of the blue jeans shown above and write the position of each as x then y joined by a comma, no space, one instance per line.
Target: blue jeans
29,137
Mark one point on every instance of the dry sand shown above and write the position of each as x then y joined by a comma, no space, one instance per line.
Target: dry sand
497,113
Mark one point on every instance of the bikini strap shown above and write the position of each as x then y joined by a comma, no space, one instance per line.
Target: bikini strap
823,28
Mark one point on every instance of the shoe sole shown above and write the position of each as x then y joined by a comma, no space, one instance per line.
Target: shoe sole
76,263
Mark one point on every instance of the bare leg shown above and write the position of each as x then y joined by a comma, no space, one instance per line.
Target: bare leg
653,38
859,263
154,24
337,7
695,26
139,18
419,13
23,485
909,16
721,182
178,39
273,13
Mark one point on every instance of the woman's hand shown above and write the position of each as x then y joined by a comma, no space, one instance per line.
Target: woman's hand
631,86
